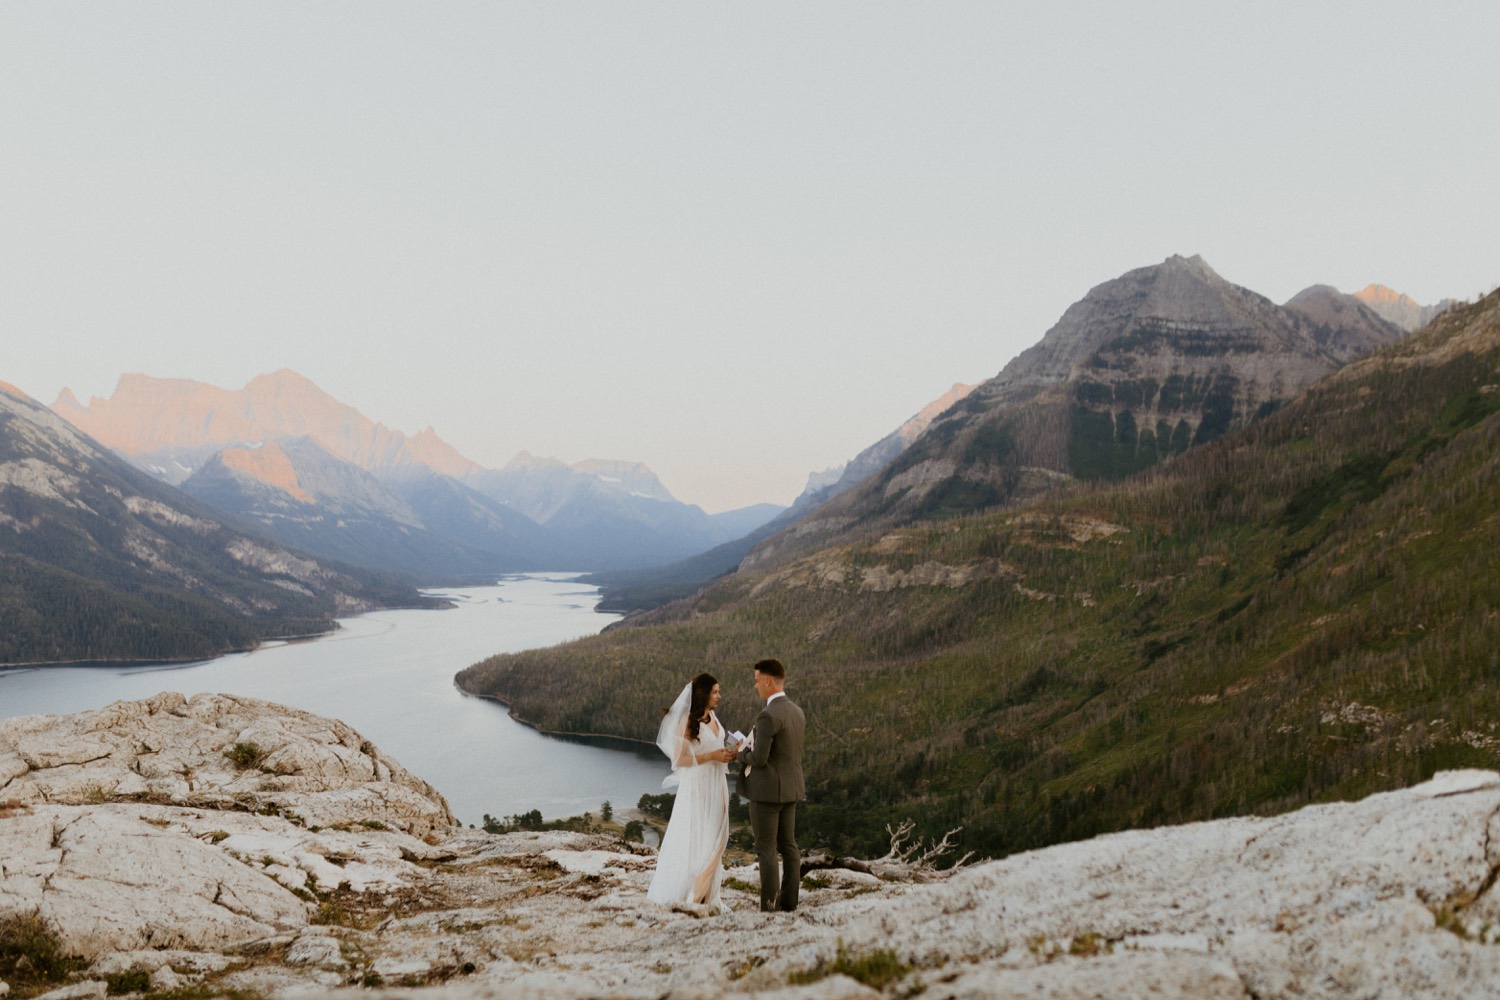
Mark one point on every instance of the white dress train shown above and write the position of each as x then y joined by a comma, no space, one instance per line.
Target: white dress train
689,866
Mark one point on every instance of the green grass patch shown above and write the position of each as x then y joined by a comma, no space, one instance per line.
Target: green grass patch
31,956
876,969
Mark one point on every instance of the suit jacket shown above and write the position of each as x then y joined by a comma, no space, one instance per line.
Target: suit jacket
776,758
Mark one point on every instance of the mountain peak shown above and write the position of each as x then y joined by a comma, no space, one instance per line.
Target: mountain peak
525,460
1400,308
438,454
1374,293
148,416
1182,289
284,379
1193,263
632,477
1178,291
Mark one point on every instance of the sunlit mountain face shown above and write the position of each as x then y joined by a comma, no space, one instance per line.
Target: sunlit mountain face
318,474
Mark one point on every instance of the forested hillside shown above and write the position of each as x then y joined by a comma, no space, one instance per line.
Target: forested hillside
1305,609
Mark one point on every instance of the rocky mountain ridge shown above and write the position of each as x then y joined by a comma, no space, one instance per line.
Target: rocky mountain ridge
99,561
824,486
219,845
1142,368
639,591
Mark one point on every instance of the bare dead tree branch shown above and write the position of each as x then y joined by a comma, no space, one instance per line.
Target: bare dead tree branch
905,861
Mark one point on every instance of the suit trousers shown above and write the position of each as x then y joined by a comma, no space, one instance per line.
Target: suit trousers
775,827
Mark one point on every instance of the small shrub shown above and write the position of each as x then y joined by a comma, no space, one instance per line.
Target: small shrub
331,915
877,969
1088,944
739,970
129,981
30,953
245,754
1042,948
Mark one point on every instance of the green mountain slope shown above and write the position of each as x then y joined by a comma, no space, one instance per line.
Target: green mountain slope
1304,609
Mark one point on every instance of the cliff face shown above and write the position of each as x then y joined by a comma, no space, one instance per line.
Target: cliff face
318,863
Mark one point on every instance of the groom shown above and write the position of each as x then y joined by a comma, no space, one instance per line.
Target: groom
773,759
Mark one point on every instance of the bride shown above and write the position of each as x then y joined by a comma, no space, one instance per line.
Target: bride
689,863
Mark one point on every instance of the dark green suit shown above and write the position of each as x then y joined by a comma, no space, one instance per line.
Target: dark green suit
774,786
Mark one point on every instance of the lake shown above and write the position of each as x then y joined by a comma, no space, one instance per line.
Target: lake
389,674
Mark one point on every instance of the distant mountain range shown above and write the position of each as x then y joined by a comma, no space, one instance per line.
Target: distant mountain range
319,475
101,562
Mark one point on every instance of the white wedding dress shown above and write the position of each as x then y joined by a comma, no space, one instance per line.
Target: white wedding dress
689,865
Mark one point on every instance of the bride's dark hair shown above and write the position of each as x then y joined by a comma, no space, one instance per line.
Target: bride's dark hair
703,686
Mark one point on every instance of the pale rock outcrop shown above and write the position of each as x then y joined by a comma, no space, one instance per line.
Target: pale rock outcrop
110,881
1392,896
172,749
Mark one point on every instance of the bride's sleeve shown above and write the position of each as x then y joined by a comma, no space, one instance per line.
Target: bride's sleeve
685,756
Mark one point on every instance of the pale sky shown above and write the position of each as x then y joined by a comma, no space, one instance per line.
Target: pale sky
738,242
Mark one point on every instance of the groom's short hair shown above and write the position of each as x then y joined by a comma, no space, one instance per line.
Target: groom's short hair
771,668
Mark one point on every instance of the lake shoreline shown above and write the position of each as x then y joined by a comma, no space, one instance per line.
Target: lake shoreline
390,675
604,741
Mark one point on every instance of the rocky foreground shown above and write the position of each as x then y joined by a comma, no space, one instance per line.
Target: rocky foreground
224,845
